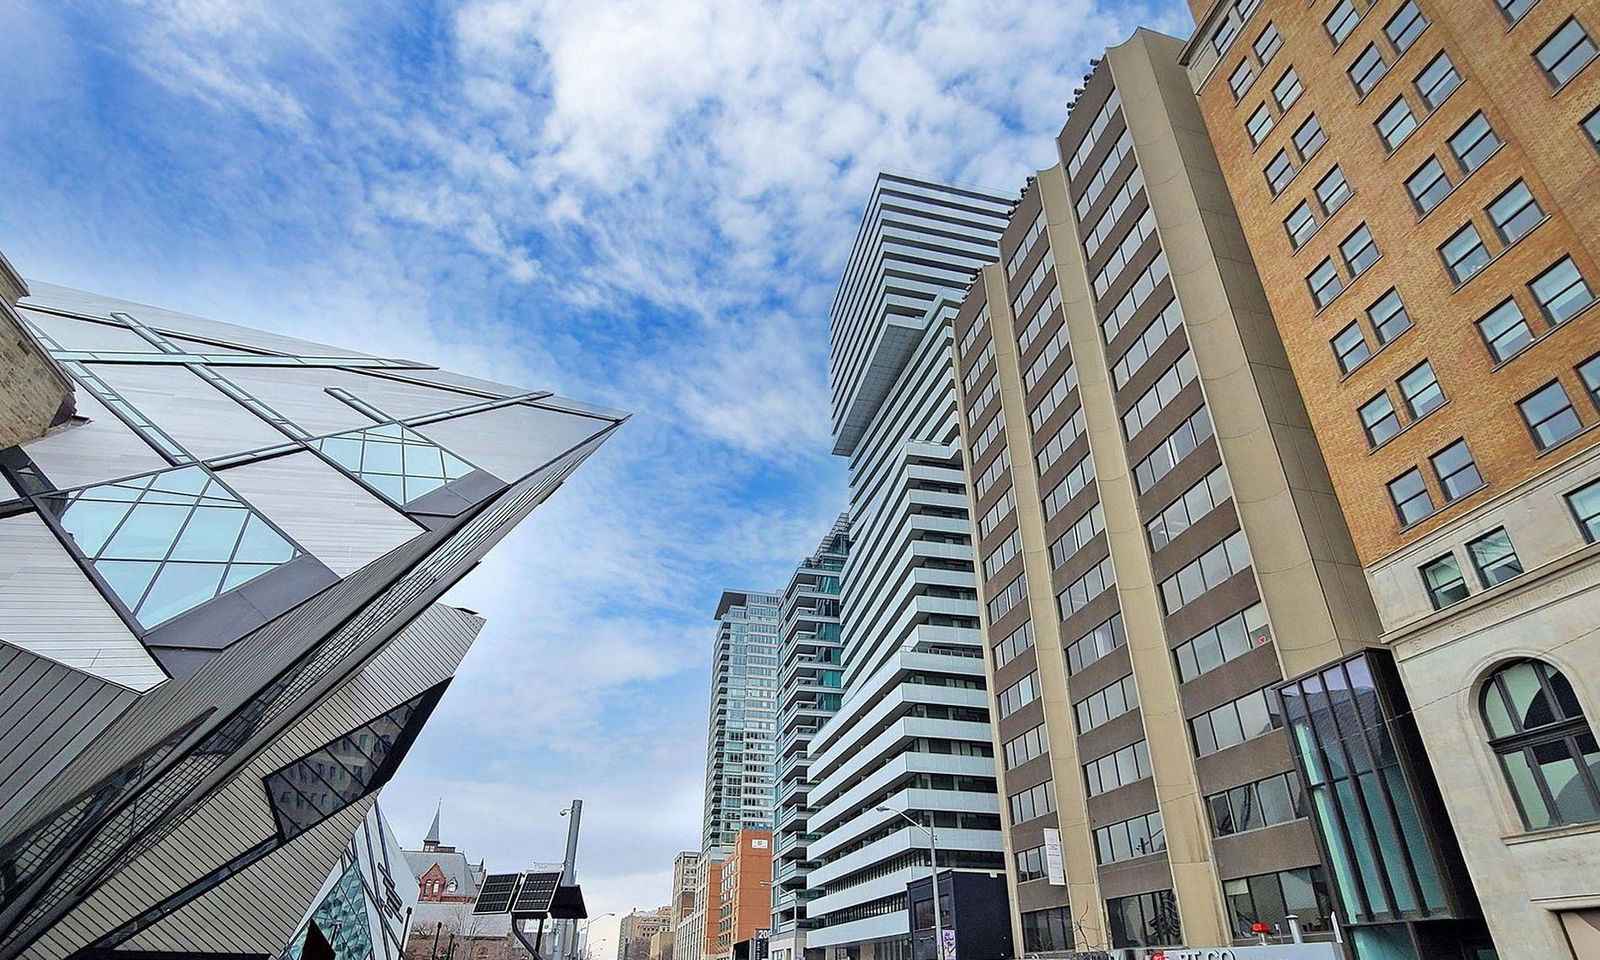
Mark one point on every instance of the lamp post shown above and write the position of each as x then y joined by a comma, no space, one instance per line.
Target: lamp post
933,864
583,934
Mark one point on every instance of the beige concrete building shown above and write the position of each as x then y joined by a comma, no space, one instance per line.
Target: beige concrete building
1159,540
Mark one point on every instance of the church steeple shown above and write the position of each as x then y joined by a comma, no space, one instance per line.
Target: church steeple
431,841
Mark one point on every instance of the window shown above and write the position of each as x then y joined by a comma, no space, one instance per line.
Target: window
1016,643
394,460
1007,599
1287,90
1514,213
1125,766
1514,9
1236,721
1034,743
1561,291
1077,536
1106,704
1095,644
1184,512
1226,31
1069,486
167,542
1132,838
1350,348
1272,897
1378,419
1325,283
1396,123
1591,126
1172,451
1359,251
1585,504
1437,81
1429,185
1301,224
1268,43
1549,415
1206,571
1388,317
1002,554
1079,592
1145,919
1280,170
1412,502
1505,331
1589,373
1420,388
1404,27
1264,803
1333,191
1243,75
1309,138
1047,931
1034,802
1030,864
1464,254
1139,351
1228,640
1444,582
1494,558
1341,21
1566,52
1259,125
1161,393
1457,473
1546,748
1368,69
1474,143
1019,694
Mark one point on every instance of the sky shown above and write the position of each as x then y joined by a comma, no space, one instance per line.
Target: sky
639,203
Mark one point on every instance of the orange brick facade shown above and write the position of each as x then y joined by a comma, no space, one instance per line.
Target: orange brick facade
1545,145
744,884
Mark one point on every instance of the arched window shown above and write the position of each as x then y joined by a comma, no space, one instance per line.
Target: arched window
1546,748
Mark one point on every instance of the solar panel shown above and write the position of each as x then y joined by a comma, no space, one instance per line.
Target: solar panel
537,890
497,893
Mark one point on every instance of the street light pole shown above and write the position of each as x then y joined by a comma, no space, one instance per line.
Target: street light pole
933,864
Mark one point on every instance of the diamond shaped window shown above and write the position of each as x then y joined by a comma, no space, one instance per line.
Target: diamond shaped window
395,461
167,542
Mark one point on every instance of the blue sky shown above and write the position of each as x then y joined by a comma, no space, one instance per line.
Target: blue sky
642,203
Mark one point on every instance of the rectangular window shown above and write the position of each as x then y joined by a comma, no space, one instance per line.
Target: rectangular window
1205,572
1350,348
1549,415
1130,839
1301,224
1161,393
1003,554
1007,599
1034,802
1412,501
1464,254
1228,640
1279,171
1333,191
1144,920
1188,509
1105,704
1252,715
1514,213
1259,125
1243,75
1585,504
1443,580
1016,643
1368,69
1079,592
1287,90
1456,472
1561,291
1030,864
1118,769
1139,352
1420,388
1077,537
1514,9
1309,137
1049,930
1095,644
1378,419
1263,803
1589,373
1325,283
1019,694
1268,43
1474,143
1271,897
1341,21
1494,559
1429,185
1172,451
1505,331
1226,31
1437,81
1404,27
1069,486
1389,317
1359,251
1591,127
1567,51
1396,123
1034,743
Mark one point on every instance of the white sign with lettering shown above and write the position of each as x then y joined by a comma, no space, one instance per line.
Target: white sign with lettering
1053,869
1277,951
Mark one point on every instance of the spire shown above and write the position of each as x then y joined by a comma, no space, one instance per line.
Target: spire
431,841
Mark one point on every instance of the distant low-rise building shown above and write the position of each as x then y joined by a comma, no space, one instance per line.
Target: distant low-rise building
638,929
443,924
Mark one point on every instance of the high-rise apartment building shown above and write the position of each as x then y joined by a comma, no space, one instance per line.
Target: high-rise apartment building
1416,180
218,628
1158,541
911,735
744,718
810,683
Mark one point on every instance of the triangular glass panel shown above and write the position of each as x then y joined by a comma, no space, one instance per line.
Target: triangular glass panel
381,456
423,461
419,486
128,578
211,534
345,451
243,573
262,544
454,467
390,486
190,480
148,533
92,523
393,459
179,587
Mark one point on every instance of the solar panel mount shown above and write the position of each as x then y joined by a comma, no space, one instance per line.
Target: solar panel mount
536,891
497,893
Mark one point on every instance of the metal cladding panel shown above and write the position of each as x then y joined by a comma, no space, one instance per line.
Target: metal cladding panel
395,397
301,395
101,449
191,411
511,441
74,334
339,521
48,606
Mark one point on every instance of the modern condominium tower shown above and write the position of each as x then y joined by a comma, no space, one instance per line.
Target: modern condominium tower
911,735
744,719
218,628
1416,180
1159,543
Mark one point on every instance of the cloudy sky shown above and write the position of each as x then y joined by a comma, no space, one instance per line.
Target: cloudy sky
642,203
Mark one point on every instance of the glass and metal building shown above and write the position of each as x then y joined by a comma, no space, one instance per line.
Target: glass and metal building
911,735
218,622
364,906
744,719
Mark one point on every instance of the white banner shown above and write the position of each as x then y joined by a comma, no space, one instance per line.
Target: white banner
1053,869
